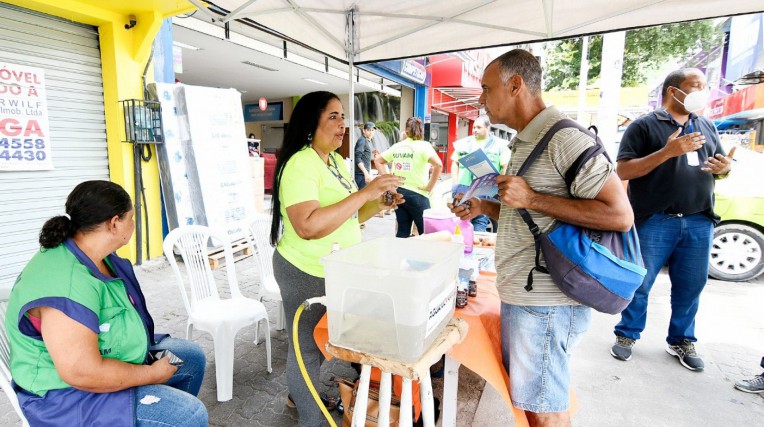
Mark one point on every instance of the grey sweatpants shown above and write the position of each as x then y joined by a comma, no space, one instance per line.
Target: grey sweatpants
297,286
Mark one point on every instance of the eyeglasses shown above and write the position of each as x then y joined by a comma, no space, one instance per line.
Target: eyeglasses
332,165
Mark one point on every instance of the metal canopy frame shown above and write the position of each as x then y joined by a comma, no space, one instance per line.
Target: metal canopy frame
353,48
537,21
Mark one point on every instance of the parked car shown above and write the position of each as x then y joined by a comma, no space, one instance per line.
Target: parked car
737,253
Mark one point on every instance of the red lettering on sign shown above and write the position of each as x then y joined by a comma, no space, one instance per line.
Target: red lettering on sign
12,127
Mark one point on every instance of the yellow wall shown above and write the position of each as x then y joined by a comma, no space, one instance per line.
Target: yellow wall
124,54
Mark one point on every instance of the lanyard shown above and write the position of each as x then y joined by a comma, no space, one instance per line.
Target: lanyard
336,172
687,128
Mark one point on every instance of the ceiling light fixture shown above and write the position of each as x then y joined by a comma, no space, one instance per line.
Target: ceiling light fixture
185,46
316,82
262,67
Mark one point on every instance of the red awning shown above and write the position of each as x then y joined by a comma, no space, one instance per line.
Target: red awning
738,104
456,100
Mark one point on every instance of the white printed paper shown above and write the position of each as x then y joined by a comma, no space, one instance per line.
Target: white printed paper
24,130
217,138
440,306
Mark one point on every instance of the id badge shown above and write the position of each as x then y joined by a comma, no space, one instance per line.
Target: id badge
693,158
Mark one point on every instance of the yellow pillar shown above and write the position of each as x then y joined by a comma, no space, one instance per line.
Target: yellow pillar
124,55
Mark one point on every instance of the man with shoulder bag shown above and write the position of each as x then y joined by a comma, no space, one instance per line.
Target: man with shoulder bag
540,326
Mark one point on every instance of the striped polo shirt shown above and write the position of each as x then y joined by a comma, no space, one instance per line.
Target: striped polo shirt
515,253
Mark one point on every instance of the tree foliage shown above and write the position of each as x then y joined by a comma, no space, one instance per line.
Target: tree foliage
645,50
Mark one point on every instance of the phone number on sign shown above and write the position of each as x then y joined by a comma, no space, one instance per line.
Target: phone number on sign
22,155
26,143
29,149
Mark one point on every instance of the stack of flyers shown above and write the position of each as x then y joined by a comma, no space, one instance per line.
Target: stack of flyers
483,187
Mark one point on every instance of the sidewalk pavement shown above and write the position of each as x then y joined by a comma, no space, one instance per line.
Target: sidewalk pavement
651,389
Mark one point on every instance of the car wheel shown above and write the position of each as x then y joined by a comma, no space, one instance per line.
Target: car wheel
736,253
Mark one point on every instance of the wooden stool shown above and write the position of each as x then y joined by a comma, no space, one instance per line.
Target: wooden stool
454,333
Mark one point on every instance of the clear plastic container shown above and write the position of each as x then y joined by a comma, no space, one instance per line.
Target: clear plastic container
391,297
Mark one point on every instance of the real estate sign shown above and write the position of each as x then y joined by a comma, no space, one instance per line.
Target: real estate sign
24,132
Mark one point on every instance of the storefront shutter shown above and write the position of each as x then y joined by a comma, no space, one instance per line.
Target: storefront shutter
70,55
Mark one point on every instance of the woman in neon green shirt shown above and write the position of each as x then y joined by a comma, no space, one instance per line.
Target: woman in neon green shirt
412,159
316,206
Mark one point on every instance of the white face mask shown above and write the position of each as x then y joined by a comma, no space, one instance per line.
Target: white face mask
694,101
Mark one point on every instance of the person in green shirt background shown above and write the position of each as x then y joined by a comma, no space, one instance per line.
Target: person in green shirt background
497,151
316,207
412,159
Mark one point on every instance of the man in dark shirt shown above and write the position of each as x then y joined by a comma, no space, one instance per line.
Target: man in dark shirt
363,156
671,158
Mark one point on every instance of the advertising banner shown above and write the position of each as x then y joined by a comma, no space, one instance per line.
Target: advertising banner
746,46
24,133
211,128
182,197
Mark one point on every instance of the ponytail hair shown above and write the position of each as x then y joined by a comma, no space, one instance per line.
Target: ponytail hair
414,128
89,205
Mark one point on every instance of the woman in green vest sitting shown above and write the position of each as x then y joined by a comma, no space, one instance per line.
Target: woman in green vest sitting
82,341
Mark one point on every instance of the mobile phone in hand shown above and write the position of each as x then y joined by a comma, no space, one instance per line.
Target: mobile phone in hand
174,359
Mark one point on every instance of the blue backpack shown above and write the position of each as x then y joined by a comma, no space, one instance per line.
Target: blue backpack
600,269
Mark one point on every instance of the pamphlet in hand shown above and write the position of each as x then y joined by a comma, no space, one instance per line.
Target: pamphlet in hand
485,183
485,187
478,163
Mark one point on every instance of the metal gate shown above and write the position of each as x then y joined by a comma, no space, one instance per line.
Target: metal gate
70,56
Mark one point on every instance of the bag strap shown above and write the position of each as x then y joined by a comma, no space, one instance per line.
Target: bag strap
595,150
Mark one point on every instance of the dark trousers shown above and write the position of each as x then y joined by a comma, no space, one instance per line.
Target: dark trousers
411,212
360,181
296,286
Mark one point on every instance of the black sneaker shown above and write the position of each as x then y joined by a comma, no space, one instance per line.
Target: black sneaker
621,350
687,355
754,385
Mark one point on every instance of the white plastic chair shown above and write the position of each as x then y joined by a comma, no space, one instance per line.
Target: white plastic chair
5,365
222,318
259,239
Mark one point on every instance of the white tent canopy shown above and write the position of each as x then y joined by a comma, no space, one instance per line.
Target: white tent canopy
391,29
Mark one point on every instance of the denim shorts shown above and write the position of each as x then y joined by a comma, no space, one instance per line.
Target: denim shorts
536,343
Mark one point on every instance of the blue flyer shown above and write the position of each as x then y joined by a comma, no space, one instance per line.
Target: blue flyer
478,163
